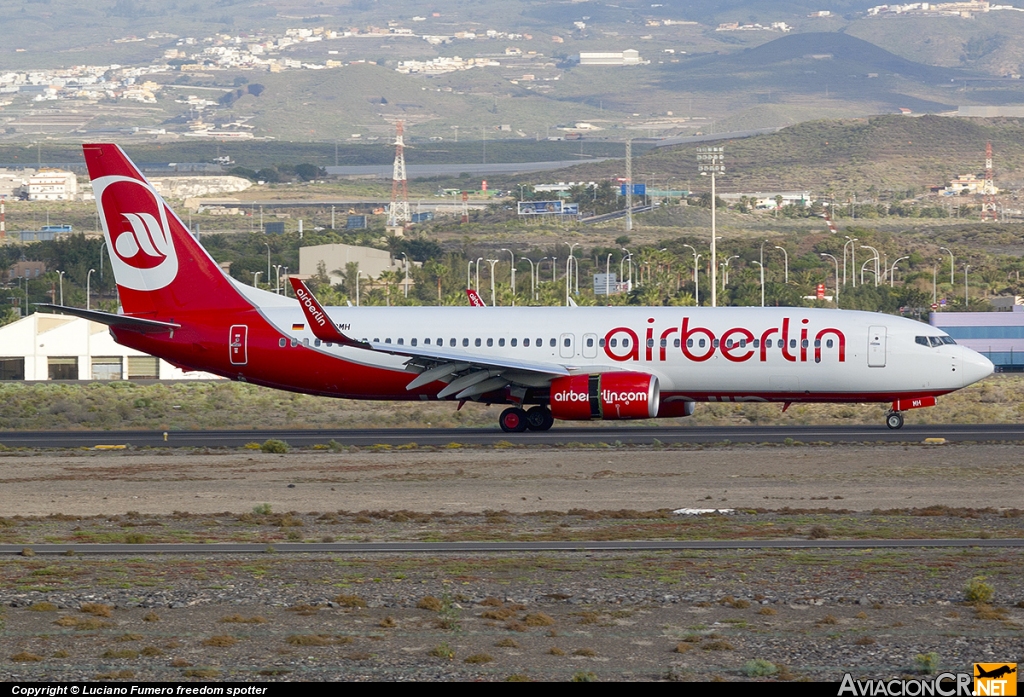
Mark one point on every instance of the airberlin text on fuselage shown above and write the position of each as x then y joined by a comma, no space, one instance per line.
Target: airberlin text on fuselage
794,340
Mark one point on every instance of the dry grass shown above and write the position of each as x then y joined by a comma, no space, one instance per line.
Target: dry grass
491,601
42,606
864,641
718,645
120,653
555,651
26,657
129,637
988,612
97,609
309,640
828,619
586,653
60,654
478,658
82,623
304,609
507,643
151,651
538,619
500,614
220,640
430,603
180,663
115,675
767,611
151,617
388,623
202,673
682,647
239,619
515,626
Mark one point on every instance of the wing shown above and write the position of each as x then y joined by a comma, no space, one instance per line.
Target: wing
466,376
137,324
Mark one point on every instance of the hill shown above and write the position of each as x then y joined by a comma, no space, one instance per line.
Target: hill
852,155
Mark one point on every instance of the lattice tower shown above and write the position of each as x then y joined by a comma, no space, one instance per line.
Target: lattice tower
398,211
988,206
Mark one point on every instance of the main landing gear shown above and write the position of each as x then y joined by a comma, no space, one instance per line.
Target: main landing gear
894,420
516,420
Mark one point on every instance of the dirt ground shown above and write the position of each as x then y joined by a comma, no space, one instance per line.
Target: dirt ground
515,479
725,615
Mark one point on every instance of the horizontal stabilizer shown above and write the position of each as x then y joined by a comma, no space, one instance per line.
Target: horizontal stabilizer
137,324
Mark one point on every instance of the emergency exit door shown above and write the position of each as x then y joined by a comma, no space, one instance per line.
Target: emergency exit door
237,339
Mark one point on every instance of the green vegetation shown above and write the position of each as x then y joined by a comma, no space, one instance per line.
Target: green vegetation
759,668
927,663
977,591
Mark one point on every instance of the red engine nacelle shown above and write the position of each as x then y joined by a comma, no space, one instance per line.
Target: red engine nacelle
605,396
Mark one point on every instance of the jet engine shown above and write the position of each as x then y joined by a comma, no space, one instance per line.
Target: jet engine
605,396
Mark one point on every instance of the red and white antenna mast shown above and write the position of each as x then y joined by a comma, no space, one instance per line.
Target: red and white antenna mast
988,206
398,211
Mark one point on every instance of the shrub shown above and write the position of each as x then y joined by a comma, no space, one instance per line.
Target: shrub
239,619
555,651
507,643
977,591
718,645
478,658
583,676
429,603
767,611
151,617
586,653
927,663
220,640
350,601
202,673
828,619
43,606
120,653
683,647
97,609
388,622
864,641
443,650
26,657
759,668
262,509
308,640
274,446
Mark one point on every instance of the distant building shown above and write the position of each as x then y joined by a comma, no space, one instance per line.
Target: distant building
999,336
52,185
628,57
767,199
57,347
336,256
24,269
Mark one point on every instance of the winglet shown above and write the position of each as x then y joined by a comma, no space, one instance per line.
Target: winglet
474,298
319,322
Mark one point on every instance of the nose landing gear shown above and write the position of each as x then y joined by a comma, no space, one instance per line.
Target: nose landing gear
894,420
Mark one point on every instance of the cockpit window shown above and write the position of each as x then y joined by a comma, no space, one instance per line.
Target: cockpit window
934,341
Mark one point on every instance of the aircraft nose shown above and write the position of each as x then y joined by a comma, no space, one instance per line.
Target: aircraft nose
975,367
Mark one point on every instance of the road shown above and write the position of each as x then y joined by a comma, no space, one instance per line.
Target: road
628,435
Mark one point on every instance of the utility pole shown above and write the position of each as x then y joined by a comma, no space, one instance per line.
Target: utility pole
629,183
988,207
711,160
398,211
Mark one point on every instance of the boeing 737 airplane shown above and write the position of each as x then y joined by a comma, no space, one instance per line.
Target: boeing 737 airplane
573,363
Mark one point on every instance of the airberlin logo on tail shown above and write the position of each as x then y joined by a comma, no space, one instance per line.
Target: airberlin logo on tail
138,235
313,310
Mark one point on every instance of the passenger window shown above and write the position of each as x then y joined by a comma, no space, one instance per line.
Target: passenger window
566,343
767,343
526,342
426,341
803,344
376,340
540,343
413,342
792,343
553,343
757,343
388,340
689,343
490,342
817,343
715,343
601,343
613,343
465,342
728,343
282,342
625,343
513,342
316,342
743,343
828,344
664,343
501,342
440,342
701,343
451,342
329,344
401,342
295,342
676,343
305,342
590,342
477,342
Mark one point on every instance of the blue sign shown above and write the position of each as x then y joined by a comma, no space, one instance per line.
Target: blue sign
638,190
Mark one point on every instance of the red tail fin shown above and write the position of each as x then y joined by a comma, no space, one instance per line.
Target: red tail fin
159,267
474,298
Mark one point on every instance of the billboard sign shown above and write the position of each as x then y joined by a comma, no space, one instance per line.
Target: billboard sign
548,208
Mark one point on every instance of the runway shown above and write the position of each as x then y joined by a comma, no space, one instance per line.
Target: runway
626,435
499,547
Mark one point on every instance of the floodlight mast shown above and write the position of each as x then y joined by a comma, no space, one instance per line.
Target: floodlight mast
711,160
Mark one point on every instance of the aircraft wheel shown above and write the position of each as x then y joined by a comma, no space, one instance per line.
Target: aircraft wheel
539,418
513,420
894,420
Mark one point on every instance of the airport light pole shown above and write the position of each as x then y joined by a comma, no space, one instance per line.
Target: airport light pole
711,160
286,278
61,280
725,277
761,267
88,290
256,278
967,299
607,276
405,283
477,286
696,282
837,275
492,262
849,243
533,279
951,262
512,275
469,270
786,261
877,259
267,245
277,283
892,271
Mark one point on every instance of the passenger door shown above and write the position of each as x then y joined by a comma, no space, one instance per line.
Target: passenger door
237,340
567,346
876,347
590,345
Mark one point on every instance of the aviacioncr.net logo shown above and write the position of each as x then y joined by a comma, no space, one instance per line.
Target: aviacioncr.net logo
138,236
